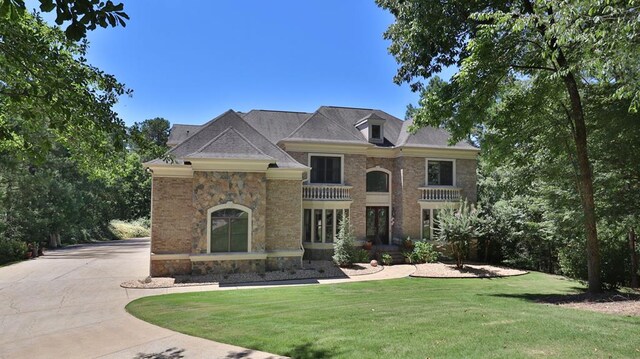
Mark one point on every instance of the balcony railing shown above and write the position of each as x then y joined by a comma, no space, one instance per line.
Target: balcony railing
440,194
326,193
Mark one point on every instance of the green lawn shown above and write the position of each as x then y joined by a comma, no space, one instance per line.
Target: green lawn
403,318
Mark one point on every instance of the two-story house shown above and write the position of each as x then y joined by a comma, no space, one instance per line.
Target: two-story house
256,191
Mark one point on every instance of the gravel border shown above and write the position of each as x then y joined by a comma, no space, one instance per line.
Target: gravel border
442,270
311,270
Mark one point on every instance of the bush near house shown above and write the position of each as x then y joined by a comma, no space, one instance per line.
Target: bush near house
130,229
423,252
343,251
457,227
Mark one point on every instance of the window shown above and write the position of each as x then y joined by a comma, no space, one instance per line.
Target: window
375,132
377,181
323,226
429,224
326,169
229,230
440,173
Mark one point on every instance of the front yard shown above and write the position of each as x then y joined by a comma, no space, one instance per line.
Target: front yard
403,318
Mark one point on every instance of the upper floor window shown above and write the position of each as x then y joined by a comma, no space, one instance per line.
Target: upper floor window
229,229
326,169
377,181
440,172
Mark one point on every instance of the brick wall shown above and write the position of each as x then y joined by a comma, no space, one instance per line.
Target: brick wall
355,175
172,210
413,174
283,215
466,178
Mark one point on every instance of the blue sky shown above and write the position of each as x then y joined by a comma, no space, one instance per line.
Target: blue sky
188,61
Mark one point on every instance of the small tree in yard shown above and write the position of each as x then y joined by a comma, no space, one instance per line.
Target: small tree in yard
343,252
457,227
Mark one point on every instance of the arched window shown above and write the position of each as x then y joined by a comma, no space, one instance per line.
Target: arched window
377,181
229,228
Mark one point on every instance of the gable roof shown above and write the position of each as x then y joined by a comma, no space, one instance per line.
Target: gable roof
351,116
275,125
180,133
229,136
428,137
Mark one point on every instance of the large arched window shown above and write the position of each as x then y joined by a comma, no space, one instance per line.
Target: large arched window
229,228
377,181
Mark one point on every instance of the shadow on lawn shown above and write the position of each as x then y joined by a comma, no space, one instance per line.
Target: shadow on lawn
303,351
582,297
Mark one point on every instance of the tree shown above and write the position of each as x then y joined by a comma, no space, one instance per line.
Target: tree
49,95
519,63
83,14
343,251
457,227
149,138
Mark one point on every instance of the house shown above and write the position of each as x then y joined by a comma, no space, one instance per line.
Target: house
259,190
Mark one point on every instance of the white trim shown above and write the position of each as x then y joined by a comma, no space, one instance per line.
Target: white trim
285,253
311,204
315,245
174,171
228,164
224,206
286,173
309,155
439,152
167,257
426,171
227,256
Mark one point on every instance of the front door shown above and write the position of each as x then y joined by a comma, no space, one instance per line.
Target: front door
378,225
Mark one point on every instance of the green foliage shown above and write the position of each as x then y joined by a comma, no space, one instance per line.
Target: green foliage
343,247
457,227
423,252
130,229
361,256
50,96
386,259
11,250
149,138
83,14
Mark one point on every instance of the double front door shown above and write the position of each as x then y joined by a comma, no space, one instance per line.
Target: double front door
378,225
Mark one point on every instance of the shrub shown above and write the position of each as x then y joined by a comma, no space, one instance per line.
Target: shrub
457,227
131,229
11,250
361,256
343,251
387,259
423,252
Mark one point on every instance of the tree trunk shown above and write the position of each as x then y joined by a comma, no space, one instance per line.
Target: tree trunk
58,240
634,259
52,240
586,181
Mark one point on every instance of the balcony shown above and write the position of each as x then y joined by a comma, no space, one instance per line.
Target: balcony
440,194
326,193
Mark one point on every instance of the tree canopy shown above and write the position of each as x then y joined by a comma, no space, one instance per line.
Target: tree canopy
522,66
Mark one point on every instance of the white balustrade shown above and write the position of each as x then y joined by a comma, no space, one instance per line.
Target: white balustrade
326,192
440,194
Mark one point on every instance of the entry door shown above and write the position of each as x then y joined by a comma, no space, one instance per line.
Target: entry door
378,225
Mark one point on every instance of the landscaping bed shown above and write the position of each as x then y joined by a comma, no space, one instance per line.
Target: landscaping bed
442,270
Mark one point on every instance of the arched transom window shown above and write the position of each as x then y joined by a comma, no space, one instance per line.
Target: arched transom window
229,229
377,181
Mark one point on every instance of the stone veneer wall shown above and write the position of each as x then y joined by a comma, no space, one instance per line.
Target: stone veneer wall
215,188
284,215
466,179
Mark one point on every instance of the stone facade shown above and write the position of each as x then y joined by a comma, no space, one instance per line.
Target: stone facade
169,268
228,266
217,188
282,263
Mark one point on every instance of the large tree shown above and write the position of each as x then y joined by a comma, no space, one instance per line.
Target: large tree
519,63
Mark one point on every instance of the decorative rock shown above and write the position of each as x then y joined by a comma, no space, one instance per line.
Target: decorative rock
374,263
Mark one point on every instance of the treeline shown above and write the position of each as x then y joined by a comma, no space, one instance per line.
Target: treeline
530,201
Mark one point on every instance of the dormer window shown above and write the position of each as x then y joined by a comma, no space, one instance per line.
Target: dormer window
376,132
372,127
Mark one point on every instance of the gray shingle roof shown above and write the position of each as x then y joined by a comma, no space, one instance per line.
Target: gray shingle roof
321,128
275,125
180,133
229,136
329,124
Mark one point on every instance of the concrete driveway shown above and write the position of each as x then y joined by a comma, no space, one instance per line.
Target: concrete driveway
69,304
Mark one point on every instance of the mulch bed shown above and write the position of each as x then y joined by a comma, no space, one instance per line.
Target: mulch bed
442,270
607,302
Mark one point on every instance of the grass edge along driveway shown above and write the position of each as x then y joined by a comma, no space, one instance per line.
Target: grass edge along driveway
401,318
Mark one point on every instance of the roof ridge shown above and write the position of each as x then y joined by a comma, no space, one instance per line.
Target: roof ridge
284,111
352,108
202,127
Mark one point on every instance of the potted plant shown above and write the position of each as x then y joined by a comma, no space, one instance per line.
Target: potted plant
367,245
408,244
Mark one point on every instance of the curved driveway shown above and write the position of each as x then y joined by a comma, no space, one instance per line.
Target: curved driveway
69,304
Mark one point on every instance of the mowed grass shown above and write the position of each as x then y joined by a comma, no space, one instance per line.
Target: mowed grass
403,318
